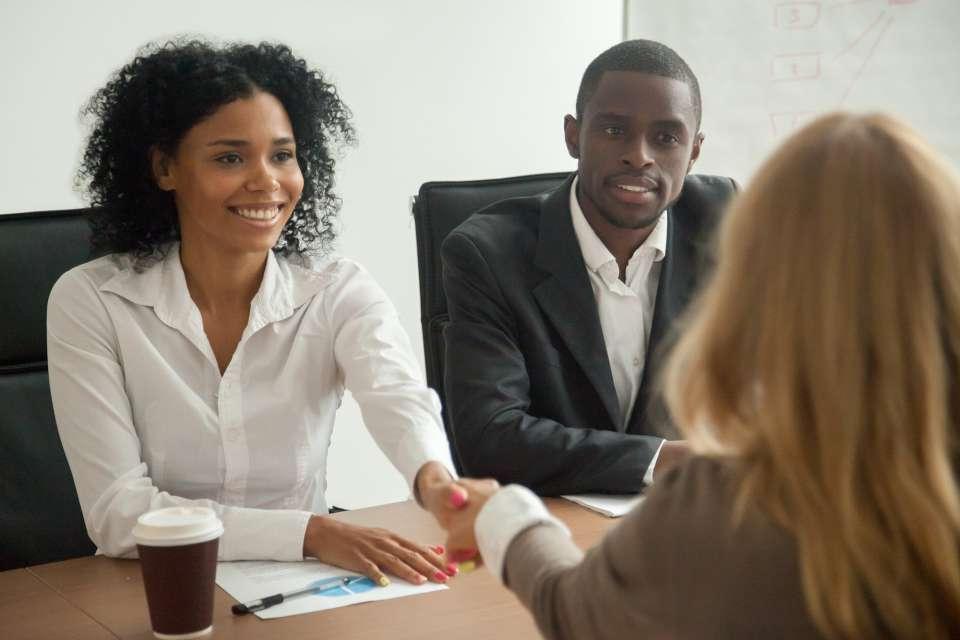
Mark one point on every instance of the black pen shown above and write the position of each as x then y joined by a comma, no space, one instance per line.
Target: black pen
324,585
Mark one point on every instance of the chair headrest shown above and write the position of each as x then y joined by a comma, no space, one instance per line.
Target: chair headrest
35,250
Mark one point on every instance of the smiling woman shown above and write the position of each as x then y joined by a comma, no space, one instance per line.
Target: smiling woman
203,359
234,177
149,106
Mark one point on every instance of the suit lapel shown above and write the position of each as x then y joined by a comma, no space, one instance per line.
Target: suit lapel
566,297
678,277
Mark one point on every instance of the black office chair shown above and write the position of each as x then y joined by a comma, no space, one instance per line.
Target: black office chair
40,518
437,210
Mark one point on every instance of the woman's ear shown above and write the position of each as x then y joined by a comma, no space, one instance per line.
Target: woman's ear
160,164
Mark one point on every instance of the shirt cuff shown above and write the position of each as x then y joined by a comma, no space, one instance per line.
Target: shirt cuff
507,514
263,534
415,451
648,476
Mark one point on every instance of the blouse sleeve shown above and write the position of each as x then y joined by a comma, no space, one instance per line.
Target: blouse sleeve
95,422
380,370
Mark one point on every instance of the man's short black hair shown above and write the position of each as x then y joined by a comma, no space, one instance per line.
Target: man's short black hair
643,56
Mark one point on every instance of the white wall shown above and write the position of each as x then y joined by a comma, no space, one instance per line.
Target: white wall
440,89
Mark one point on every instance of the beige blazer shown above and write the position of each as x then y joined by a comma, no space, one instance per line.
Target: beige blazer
674,568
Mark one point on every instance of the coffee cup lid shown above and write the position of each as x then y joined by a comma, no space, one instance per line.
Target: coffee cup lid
177,526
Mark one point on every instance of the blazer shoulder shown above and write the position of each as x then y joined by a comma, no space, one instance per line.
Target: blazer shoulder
509,223
703,201
693,506
687,508
710,185
701,481
721,560
707,192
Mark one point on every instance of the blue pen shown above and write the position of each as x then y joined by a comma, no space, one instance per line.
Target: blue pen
319,587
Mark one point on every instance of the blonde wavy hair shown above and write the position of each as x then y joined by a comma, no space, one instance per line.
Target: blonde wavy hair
822,361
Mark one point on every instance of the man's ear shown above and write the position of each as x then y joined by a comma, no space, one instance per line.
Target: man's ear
160,165
571,133
695,153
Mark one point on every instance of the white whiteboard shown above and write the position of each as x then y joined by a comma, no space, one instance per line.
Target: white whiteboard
766,66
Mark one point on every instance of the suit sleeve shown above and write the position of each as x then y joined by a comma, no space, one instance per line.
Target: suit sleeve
488,396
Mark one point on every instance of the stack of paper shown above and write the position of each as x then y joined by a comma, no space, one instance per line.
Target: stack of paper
612,506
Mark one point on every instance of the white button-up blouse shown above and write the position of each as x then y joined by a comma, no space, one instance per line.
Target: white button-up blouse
147,421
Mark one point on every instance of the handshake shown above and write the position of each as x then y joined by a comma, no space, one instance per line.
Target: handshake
455,505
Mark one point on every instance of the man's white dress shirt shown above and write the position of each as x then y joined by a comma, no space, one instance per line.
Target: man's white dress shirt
147,421
625,307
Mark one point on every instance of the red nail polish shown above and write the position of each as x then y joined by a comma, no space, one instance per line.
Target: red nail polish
439,549
452,569
463,554
440,576
458,498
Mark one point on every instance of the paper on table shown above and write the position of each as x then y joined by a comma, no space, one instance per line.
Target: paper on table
612,506
248,581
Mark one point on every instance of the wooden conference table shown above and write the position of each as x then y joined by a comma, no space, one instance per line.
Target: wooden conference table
98,597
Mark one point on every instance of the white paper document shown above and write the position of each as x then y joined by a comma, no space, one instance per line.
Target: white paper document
248,581
612,506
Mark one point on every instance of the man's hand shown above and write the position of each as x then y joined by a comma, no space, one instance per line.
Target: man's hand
461,540
372,552
672,452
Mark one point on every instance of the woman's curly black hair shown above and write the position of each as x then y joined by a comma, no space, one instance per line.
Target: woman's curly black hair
154,100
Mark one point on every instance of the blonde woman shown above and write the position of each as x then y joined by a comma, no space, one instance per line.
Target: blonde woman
816,383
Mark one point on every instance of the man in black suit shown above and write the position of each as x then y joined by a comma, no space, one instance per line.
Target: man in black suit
560,303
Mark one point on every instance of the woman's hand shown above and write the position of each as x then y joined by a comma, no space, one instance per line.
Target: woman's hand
373,552
461,540
437,492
